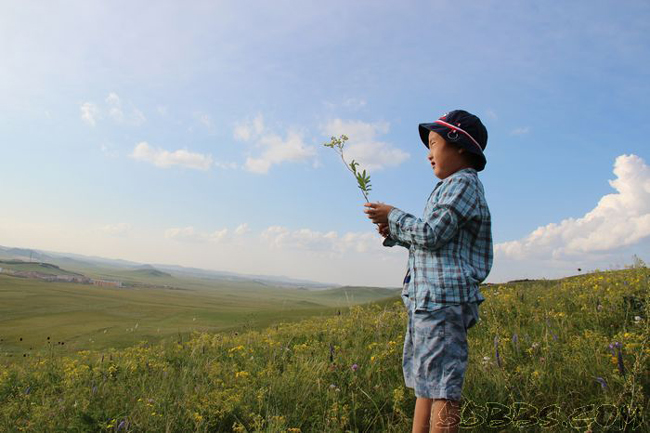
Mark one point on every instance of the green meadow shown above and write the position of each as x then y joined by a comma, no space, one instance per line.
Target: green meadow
550,355
37,315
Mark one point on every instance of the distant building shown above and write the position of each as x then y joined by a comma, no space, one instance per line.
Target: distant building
107,283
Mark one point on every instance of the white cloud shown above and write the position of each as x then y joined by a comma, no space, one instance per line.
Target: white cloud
363,147
619,220
520,131
305,239
89,113
354,103
181,233
217,235
246,130
271,147
116,112
165,159
118,229
242,229
189,234
115,107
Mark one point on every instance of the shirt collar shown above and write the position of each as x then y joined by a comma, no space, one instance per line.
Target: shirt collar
468,170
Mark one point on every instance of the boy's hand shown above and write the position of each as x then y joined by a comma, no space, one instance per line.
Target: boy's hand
383,230
378,212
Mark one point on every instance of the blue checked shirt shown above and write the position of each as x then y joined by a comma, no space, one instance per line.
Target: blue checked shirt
450,248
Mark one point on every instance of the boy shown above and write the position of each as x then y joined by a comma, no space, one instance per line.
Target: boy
450,253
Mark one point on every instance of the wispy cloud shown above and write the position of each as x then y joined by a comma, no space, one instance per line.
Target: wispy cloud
354,103
89,113
520,131
108,150
119,229
165,159
363,146
205,120
351,104
113,109
272,148
242,229
279,237
491,114
189,234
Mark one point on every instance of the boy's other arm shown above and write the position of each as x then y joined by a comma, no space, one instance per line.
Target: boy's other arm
456,205
390,242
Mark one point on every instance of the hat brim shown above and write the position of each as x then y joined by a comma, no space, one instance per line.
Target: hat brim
424,129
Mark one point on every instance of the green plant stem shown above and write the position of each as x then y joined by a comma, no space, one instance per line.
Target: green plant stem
340,152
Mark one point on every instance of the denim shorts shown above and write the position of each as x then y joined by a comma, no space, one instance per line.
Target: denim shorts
436,351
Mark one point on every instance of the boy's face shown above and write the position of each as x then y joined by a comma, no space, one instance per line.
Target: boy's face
446,159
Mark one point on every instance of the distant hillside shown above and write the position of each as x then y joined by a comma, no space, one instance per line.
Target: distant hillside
115,268
147,271
37,267
348,295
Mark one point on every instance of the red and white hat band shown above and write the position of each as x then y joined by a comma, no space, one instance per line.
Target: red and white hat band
456,128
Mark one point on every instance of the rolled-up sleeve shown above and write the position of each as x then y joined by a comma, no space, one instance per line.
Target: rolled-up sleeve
391,241
455,205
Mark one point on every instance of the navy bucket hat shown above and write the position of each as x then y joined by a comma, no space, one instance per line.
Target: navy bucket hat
462,129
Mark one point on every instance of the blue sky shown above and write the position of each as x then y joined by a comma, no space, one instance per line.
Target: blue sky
190,132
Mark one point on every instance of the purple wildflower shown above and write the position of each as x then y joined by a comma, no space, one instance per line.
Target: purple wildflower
611,348
515,340
496,350
554,336
28,390
121,425
619,357
354,367
602,382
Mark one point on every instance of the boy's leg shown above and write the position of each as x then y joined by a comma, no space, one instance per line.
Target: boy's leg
436,416
422,415
445,416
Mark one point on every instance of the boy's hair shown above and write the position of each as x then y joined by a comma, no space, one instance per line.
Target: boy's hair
471,158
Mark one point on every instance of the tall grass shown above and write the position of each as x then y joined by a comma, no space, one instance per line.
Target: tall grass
572,351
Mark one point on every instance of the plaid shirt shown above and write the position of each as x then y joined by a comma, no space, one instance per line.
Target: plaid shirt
450,248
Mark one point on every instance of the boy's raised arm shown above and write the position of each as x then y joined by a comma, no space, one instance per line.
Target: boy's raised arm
456,205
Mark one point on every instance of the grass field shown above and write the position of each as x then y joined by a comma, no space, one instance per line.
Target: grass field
89,317
565,355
